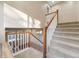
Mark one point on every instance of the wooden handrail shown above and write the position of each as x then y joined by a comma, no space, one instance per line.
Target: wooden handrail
52,18
36,38
51,21
50,13
16,33
22,29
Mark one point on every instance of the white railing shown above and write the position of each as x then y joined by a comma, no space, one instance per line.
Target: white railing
17,42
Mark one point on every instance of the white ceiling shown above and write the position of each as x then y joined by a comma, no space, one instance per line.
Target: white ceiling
32,8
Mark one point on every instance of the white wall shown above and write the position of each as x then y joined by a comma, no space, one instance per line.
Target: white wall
78,9
68,11
1,22
2,33
12,19
16,18
32,8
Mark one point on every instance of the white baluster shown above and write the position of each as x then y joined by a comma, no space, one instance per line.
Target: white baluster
15,42
18,41
23,40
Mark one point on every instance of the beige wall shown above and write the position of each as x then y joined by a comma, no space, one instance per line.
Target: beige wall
68,11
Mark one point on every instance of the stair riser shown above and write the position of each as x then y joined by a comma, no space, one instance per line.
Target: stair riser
65,34
70,51
73,49
67,40
70,23
70,26
67,30
57,54
61,32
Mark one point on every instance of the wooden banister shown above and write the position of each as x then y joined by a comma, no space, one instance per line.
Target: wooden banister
57,17
45,33
14,29
51,21
44,42
50,13
29,41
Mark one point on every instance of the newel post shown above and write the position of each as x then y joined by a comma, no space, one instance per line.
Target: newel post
57,17
44,42
29,41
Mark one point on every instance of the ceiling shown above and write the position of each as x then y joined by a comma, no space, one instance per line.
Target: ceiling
32,8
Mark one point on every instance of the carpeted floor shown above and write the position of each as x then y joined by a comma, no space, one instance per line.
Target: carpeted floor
30,53
0,50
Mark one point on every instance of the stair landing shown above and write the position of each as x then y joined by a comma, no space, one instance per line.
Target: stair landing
30,53
0,50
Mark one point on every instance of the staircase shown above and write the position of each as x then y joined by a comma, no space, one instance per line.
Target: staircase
65,41
0,50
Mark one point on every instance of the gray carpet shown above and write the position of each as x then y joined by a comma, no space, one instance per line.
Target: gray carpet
30,53
0,50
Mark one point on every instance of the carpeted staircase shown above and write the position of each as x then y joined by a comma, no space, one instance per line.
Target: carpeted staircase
65,41
0,50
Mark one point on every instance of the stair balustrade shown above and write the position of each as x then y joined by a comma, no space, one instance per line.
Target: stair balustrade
18,39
